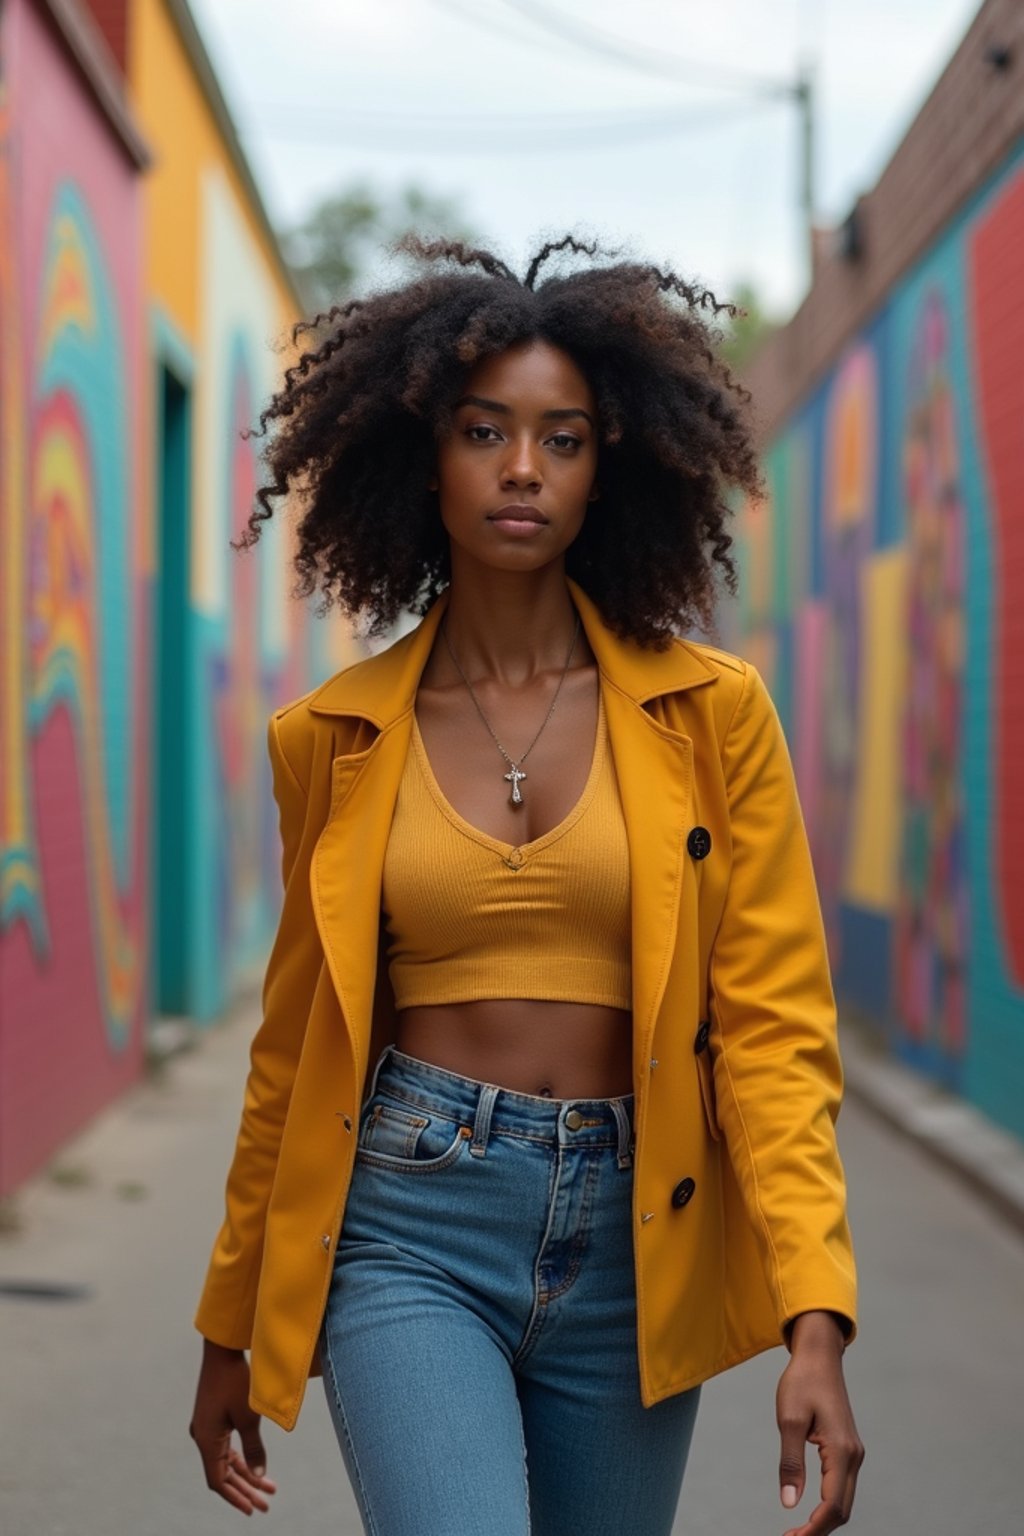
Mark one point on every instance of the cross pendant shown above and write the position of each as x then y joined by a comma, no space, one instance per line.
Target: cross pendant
514,778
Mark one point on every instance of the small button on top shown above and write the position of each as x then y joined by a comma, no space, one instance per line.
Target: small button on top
698,844
325,1241
574,1119
701,1039
683,1192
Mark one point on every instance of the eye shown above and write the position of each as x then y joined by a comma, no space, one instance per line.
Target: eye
482,428
565,440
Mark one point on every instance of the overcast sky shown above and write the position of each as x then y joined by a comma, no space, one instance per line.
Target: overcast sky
536,131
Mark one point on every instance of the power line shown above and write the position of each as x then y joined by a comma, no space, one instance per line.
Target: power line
485,135
490,21
649,61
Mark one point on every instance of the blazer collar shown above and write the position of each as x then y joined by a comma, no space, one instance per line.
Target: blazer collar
383,687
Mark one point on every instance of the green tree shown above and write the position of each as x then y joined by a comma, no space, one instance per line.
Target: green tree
336,247
745,335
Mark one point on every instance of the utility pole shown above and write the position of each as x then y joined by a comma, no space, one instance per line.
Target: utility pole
803,95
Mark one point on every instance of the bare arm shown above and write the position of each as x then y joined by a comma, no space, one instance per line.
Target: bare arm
222,1409
812,1406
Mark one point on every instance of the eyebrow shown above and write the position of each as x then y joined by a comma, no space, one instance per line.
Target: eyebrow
496,405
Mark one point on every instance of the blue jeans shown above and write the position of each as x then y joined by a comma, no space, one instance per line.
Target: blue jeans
479,1342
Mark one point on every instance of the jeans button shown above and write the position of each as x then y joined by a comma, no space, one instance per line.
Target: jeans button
574,1119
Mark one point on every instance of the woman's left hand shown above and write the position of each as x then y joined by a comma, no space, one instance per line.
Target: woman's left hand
812,1405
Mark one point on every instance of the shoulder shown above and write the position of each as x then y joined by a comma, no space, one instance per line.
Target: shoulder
738,686
731,673
354,701
717,659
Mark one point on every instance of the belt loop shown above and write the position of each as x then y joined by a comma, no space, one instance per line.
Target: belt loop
625,1151
482,1120
376,1073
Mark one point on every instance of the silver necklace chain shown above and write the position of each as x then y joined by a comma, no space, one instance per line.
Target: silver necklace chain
516,775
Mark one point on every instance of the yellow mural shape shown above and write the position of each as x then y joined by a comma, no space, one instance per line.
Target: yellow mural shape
873,850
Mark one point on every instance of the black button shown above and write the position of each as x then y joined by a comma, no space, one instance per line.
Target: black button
698,844
683,1192
701,1039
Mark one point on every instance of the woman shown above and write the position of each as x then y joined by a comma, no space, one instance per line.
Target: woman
538,1133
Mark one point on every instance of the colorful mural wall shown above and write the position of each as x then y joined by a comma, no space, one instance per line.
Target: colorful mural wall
72,722
143,311
884,600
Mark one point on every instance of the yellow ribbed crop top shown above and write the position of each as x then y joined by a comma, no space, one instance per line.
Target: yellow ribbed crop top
469,917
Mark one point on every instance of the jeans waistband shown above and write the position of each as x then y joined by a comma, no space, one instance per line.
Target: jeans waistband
489,1108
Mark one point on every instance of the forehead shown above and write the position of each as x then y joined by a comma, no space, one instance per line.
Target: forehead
531,370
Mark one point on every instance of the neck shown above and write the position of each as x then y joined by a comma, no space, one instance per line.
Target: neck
510,625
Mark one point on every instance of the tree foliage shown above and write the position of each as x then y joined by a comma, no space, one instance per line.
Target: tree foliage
745,335
334,251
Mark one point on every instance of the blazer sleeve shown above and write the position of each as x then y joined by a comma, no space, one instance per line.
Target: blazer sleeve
228,1300
778,1077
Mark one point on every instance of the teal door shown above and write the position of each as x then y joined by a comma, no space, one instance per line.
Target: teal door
170,798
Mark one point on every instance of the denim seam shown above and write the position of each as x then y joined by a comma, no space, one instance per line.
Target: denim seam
582,1233
427,1069
526,1475
412,1126
371,1526
439,1164
533,1322
446,1112
532,1101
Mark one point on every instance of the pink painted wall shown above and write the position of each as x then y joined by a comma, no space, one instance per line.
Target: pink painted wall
74,497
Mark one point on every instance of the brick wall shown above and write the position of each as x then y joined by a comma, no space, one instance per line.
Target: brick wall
965,128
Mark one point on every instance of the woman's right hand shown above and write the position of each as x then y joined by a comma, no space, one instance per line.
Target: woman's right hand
222,1406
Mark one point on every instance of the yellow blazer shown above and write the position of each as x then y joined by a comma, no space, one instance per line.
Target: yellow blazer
739,1209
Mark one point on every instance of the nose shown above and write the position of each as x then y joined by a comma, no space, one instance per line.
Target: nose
521,464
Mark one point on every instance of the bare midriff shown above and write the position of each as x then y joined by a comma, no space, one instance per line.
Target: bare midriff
557,1050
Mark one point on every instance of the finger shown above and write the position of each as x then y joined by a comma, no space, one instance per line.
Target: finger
792,1476
249,1476
248,1496
829,1514
849,1494
218,1460
256,1476
252,1445
826,1518
219,1479
233,1496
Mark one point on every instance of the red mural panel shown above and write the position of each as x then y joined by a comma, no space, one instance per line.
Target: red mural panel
998,307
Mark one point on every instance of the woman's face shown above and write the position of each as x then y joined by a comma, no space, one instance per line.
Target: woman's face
517,468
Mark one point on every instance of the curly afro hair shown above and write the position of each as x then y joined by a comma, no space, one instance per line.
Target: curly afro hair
358,416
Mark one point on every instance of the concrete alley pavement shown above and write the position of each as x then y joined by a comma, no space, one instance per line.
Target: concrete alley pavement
96,1387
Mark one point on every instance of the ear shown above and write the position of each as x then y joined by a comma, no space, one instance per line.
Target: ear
595,492
432,483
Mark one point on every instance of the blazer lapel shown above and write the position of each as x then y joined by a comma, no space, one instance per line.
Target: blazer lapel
348,860
654,768
653,764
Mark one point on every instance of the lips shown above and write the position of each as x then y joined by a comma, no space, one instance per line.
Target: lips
517,512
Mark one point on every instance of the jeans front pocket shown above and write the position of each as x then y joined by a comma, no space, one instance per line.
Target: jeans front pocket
408,1139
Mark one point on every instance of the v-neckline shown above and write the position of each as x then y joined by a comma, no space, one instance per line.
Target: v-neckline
506,849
